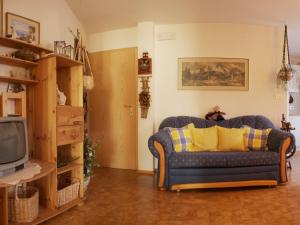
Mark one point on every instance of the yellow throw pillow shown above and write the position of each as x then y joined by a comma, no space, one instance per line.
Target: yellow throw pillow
231,139
204,139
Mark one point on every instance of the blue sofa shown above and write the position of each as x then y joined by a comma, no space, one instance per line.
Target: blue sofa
188,170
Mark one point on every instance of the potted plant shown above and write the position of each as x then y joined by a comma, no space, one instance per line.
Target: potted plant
90,161
286,72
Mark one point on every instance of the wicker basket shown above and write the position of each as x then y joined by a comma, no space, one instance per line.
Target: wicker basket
69,192
23,204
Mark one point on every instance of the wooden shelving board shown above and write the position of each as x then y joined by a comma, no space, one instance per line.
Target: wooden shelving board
69,167
13,43
47,168
62,61
46,214
18,80
66,62
17,62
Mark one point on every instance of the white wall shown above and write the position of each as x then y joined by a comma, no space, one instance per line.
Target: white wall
115,39
295,121
260,44
145,31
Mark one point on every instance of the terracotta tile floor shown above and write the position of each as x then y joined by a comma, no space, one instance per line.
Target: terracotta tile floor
127,198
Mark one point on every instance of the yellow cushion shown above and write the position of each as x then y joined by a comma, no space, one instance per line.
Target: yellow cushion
231,139
204,139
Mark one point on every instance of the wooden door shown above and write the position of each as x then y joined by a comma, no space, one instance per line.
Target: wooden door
113,107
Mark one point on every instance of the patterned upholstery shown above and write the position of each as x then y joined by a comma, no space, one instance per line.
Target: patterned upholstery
181,138
195,167
223,159
257,122
164,139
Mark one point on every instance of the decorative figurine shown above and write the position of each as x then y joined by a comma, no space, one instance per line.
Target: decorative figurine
145,64
61,97
216,115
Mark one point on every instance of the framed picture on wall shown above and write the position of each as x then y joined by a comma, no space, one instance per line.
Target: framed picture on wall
23,29
213,74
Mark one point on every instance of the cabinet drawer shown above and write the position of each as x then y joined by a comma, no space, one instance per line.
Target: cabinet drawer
69,134
68,115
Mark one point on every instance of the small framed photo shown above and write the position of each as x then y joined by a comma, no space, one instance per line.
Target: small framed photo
22,28
59,47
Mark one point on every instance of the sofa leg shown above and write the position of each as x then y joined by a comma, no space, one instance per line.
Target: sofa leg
162,189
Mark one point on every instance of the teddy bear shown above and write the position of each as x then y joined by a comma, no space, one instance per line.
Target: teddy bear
216,115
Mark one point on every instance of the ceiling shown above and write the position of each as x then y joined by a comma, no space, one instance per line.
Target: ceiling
104,15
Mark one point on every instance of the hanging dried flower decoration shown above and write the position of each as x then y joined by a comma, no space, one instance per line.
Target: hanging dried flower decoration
144,97
286,73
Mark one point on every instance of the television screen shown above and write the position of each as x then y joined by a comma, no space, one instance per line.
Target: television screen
12,141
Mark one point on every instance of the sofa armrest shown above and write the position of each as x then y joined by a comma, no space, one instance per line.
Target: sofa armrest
163,138
281,142
276,139
161,147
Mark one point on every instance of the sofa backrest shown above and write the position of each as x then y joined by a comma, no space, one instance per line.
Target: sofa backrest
258,122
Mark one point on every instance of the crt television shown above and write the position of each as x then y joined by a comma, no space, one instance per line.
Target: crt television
13,144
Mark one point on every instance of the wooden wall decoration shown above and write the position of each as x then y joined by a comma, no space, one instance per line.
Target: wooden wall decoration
144,97
145,64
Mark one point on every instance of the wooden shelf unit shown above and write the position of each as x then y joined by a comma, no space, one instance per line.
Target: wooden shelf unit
69,167
67,75
17,44
42,114
63,62
46,213
19,100
16,80
46,169
17,62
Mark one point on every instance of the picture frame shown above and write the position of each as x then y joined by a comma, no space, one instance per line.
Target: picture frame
22,28
209,73
59,47
68,51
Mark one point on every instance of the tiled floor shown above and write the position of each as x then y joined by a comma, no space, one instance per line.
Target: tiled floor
124,197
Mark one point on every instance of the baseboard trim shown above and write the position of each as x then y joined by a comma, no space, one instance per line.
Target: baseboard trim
146,172
225,184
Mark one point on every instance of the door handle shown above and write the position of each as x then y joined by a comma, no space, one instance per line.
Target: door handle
128,106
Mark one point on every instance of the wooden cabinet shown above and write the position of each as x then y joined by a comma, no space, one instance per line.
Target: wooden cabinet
69,134
69,122
58,130
68,116
52,130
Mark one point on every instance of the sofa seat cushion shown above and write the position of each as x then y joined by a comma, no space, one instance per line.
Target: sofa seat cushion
223,159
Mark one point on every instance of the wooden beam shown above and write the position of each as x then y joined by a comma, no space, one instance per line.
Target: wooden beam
284,148
225,184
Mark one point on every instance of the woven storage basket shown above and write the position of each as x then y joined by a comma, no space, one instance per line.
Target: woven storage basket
23,204
68,193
